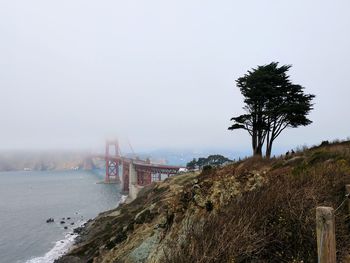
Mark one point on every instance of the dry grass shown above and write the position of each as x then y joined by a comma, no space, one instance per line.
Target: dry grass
275,223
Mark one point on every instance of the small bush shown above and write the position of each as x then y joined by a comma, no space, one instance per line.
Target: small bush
209,206
207,169
321,156
324,143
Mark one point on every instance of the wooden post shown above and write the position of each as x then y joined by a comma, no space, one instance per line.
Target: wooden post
325,229
347,187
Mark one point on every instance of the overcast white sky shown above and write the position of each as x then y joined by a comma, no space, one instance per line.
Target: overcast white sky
161,73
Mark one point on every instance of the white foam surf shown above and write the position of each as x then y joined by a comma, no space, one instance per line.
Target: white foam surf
123,199
58,250
62,246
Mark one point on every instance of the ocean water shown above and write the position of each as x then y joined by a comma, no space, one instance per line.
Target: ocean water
29,198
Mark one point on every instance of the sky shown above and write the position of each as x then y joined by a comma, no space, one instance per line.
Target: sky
161,74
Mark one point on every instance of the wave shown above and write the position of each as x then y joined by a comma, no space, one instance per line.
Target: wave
123,199
62,246
58,250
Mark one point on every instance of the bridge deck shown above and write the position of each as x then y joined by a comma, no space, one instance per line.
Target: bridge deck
138,162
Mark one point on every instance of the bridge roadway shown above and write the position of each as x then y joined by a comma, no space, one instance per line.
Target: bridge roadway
135,173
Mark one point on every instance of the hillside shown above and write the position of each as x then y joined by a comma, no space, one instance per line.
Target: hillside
44,160
250,211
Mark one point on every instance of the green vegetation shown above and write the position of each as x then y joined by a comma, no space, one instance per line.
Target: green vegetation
211,160
272,104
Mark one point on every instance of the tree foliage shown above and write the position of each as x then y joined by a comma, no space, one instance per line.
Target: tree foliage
211,160
272,104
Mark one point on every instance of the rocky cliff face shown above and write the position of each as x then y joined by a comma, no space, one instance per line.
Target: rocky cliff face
251,211
146,229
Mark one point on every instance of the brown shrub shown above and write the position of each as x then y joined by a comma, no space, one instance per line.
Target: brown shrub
275,223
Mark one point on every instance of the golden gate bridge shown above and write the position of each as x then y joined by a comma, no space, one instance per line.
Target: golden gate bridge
135,173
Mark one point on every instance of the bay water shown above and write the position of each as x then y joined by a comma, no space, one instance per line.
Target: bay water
29,198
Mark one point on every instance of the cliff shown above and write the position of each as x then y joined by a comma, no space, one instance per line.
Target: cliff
252,211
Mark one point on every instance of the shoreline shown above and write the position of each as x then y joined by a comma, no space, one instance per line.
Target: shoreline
60,248
70,240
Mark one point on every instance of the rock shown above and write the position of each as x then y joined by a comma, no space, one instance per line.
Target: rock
77,230
120,237
50,220
130,226
144,216
69,259
162,224
143,251
196,186
153,209
101,248
110,244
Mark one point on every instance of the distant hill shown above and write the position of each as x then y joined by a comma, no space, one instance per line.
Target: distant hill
42,161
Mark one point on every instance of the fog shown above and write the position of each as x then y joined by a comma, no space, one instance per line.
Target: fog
161,73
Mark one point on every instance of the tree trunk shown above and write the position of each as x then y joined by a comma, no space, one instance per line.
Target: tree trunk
255,144
268,153
269,149
258,151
